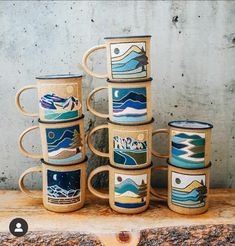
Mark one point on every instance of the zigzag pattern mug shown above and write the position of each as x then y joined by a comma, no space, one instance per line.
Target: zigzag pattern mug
128,58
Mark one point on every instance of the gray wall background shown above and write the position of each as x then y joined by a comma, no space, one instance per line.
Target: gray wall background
193,66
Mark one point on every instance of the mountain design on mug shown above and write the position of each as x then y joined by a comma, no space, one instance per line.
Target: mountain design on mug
59,108
188,190
64,144
63,186
130,190
129,104
130,151
188,149
129,60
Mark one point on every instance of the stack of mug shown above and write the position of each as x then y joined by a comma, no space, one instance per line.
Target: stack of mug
63,159
129,122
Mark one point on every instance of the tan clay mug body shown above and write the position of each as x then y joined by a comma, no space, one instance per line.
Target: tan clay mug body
63,186
62,143
128,58
59,97
188,190
130,146
129,190
129,103
189,144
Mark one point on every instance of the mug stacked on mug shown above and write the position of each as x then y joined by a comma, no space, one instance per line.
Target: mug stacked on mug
189,162
129,122
63,158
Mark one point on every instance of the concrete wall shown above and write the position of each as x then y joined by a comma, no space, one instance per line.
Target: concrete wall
193,66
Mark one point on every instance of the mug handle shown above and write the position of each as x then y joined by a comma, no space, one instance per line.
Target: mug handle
154,152
88,102
17,100
85,58
152,191
21,146
21,182
91,188
93,149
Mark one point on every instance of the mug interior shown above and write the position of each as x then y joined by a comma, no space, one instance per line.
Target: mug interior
59,76
186,124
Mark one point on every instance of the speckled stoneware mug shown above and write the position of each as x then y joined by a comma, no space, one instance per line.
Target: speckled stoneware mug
130,146
188,189
129,103
62,143
129,190
189,144
128,58
63,188
59,97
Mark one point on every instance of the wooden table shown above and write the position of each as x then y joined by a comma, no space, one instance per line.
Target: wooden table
97,224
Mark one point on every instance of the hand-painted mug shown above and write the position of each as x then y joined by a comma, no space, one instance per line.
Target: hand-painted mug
128,102
128,58
189,144
130,146
188,190
60,97
63,186
61,143
129,190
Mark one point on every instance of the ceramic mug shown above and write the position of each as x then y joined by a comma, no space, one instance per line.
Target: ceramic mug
189,144
129,190
61,143
63,188
128,102
188,190
128,58
59,96
130,146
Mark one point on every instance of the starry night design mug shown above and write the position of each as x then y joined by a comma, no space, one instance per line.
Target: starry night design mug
128,102
189,144
63,188
128,58
130,146
62,143
129,190
188,189
59,97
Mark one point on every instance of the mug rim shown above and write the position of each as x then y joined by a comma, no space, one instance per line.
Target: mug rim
132,81
139,36
59,76
130,169
125,124
56,122
64,165
190,121
200,168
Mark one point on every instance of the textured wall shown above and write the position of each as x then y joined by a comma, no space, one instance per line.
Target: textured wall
193,66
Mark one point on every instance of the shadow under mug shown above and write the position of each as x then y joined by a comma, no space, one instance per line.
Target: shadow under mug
59,96
63,188
128,58
189,144
129,103
129,190
188,190
62,143
130,146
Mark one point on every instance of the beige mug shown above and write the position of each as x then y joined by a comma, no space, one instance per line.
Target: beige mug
189,144
129,190
128,58
61,143
130,146
59,96
129,103
188,190
63,188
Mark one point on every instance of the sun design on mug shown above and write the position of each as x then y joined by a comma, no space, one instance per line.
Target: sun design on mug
69,89
140,137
